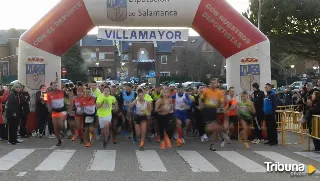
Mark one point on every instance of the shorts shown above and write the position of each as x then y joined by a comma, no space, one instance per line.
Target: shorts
138,119
233,119
154,114
114,117
220,118
83,118
104,120
125,113
248,120
62,114
209,115
189,114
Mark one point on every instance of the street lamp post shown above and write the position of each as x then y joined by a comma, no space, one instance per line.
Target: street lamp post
259,15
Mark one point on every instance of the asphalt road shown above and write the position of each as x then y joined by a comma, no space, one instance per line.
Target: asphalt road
38,160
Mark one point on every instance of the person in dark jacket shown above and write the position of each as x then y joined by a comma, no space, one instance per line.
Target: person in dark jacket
41,111
13,112
315,110
269,107
24,112
287,97
257,99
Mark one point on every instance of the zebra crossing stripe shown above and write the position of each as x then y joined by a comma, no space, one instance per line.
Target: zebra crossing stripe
197,162
104,160
149,161
14,157
242,162
311,155
56,160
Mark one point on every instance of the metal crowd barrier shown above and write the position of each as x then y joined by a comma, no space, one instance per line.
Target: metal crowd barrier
315,131
288,120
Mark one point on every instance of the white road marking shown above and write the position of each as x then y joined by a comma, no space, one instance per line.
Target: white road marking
56,161
14,157
21,174
197,162
104,160
53,147
242,162
149,161
311,155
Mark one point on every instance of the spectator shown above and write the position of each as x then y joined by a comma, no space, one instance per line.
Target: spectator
13,112
257,99
269,108
24,112
3,97
287,97
315,110
41,112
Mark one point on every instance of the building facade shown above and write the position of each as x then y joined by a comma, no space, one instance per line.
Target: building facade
108,59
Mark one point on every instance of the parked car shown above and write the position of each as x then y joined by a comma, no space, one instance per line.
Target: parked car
66,81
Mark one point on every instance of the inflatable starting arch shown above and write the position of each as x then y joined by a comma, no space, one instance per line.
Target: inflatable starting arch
245,48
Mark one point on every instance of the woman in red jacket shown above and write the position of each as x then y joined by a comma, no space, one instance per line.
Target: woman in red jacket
3,97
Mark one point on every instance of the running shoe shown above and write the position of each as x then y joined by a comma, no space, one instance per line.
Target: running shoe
255,141
246,144
114,141
212,148
158,139
59,143
88,144
104,144
141,148
73,138
81,141
223,144
162,145
134,139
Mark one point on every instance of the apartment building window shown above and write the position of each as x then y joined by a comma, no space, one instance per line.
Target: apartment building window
164,74
93,56
102,56
164,60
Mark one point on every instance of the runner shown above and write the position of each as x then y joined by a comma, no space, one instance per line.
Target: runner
182,103
211,99
57,106
116,116
140,119
95,93
232,116
89,114
104,105
246,112
126,99
165,118
76,110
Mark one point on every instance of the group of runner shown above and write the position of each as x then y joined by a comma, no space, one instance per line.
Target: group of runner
166,111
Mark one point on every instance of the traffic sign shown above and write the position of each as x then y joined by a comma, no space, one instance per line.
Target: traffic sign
64,71
152,73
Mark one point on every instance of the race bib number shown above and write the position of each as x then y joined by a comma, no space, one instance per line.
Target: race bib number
106,106
89,119
213,102
127,103
79,110
57,104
